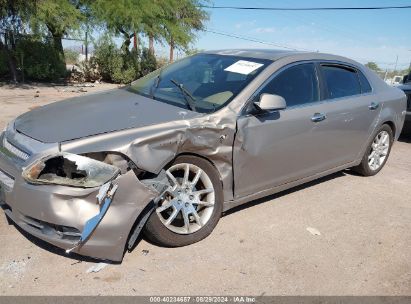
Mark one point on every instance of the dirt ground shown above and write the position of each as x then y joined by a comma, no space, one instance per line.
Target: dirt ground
263,248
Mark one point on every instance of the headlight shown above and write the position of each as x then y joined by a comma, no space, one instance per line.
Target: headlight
70,170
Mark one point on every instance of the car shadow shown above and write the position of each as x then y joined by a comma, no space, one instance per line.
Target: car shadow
266,199
74,256
288,191
56,250
406,138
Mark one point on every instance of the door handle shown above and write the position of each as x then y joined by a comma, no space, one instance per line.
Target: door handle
318,117
374,106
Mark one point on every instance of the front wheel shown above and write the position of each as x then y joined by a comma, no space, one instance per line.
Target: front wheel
191,208
377,152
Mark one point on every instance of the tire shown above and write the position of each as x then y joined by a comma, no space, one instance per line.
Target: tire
365,168
172,235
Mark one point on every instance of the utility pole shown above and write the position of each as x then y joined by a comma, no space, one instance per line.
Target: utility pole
395,70
396,63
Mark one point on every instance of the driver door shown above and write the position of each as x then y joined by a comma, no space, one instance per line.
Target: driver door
274,148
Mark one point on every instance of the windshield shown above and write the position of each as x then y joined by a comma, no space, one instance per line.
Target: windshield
203,82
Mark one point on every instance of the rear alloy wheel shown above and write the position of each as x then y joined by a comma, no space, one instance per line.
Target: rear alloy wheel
377,152
191,208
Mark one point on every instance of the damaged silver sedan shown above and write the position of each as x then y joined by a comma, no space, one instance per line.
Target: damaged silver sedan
170,153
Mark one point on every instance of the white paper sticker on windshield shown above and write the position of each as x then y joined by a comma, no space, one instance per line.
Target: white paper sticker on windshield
243,67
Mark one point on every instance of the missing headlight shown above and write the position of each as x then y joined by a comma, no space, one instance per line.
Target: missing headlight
118,160
111,158
61,167
70,170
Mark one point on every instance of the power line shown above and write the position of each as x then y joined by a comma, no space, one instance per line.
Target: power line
307,8
288,47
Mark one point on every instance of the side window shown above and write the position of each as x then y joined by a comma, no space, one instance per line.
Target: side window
365,85
297,85
341,81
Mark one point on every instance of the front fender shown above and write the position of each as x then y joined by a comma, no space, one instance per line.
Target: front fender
151,148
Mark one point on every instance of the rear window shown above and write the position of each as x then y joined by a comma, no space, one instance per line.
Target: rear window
365,85
341,81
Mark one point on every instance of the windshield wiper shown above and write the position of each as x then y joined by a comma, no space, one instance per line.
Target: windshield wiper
189,98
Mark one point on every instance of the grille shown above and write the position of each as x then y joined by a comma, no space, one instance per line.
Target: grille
409,101
62,232
15,151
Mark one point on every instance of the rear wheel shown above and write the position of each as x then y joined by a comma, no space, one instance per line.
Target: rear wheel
377,152
191,208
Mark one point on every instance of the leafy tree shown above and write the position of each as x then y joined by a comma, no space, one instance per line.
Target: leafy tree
71,56
181,22
373,66
42,64
173,21
60,17
33,21
152,24
148,62
13,16
123,17
114,64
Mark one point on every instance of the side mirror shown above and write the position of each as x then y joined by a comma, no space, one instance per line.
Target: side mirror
271,102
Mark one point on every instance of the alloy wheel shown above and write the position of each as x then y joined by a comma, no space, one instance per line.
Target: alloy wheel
379,150
189,203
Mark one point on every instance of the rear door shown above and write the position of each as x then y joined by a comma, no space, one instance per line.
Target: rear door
351,109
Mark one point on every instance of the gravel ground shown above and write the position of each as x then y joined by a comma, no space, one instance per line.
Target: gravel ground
340,235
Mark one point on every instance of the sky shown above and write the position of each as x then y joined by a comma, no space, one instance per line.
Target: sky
374,35
364,36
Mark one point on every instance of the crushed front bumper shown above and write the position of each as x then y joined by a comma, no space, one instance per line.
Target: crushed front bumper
58,214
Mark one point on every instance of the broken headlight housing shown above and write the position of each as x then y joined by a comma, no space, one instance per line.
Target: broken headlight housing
72,170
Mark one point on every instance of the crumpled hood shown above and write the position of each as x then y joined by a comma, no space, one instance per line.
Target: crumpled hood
94,114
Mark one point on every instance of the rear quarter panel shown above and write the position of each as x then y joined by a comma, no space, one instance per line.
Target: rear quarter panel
394,109
393,102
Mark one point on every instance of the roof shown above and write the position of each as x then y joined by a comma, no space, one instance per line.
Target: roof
289,56
271,54
274,54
